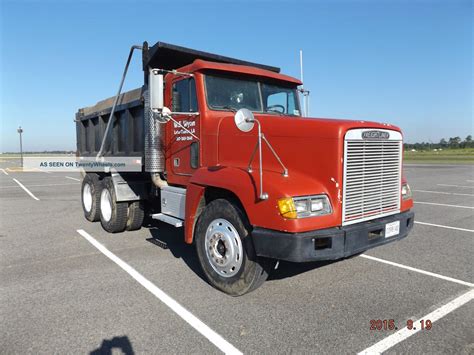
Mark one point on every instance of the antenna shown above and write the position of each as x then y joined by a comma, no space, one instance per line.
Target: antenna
303,91
301,65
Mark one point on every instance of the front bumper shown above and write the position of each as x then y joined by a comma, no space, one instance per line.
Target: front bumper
329,244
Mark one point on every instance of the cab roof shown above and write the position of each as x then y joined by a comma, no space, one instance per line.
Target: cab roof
203,65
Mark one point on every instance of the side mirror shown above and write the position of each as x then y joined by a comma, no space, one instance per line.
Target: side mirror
156,89
244,120
163,116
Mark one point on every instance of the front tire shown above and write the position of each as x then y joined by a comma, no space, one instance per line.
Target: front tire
225,249
113,214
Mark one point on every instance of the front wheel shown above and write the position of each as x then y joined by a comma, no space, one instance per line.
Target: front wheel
225,250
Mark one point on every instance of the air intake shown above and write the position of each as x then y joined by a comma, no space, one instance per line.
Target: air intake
372,174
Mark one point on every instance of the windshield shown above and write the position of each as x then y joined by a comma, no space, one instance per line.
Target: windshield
225,93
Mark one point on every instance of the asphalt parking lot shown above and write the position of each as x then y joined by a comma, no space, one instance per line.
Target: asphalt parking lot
60,294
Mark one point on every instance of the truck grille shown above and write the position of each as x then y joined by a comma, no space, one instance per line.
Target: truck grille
372,177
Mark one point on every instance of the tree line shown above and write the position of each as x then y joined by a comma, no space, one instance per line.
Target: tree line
451,143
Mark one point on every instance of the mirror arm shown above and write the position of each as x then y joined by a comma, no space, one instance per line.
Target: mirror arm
261,136
263,195
174,72
285,170
245,120
249,168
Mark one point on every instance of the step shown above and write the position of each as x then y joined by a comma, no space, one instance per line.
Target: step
168,219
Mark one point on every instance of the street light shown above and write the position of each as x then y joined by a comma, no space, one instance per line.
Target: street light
20,131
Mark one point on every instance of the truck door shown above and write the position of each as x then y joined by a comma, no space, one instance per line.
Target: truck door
184,148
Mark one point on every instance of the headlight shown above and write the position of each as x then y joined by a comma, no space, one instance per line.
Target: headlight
305,206
406,191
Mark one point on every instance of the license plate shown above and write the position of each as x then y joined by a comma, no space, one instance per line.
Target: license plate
392,229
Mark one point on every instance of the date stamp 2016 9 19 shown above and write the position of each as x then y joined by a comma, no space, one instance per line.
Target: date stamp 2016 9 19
389,324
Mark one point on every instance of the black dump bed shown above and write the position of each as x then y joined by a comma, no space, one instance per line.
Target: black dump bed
127,134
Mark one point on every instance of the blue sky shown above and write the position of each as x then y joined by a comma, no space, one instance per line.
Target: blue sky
403,62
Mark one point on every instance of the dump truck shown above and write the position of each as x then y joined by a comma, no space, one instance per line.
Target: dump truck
226,153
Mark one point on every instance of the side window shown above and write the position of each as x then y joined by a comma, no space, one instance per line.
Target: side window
278,102
279,99
184,96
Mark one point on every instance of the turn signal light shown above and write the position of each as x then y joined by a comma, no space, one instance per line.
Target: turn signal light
287,207
406,191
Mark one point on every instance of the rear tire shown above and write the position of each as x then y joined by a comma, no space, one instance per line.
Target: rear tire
225,250
113,214
90,196
136,214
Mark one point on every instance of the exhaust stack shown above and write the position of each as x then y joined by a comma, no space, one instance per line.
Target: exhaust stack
154,155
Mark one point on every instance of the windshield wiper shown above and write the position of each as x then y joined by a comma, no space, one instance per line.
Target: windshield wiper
233,109
227,107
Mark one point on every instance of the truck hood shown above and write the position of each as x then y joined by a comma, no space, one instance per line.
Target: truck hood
304,127
312,149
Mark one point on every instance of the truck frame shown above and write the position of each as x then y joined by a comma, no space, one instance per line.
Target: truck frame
225,153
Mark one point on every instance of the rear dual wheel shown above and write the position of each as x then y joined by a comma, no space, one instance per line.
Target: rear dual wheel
118,216
113,214
136,215
90,196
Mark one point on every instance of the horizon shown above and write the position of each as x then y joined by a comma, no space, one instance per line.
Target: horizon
406,146
409,64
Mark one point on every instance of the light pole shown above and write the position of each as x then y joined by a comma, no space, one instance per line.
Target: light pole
20,131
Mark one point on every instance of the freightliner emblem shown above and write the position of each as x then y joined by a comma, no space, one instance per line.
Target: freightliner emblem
375,135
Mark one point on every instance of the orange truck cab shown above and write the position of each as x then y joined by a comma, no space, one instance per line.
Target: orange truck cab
228,155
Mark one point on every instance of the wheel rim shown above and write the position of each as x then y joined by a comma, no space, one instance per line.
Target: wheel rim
106,205
223,247
87,197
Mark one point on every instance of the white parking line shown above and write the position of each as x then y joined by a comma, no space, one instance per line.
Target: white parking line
43,171
470,180
27,191
447,278
443,193
187,316
463,186
68,177
442,204
447,227
405,333
42,185
3,170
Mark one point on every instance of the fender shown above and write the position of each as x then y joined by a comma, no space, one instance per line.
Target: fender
260,213
126,190
221,177
194,201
